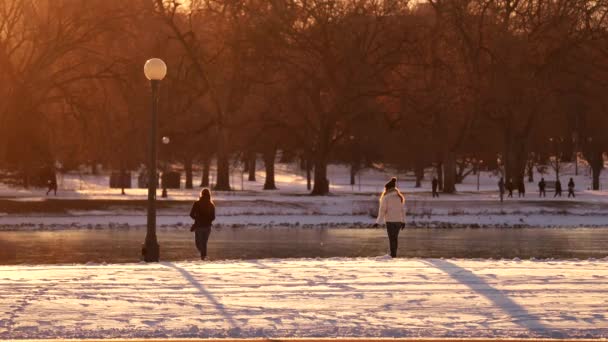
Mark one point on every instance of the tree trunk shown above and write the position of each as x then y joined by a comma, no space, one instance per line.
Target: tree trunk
439,169
251,166
287,156
246,163
530,168
321,186
188,168
269,158
321,158
308,174
449,174
597,164
205,176
353,173
223,173
222,181
460,170
596,178
122,180
514,159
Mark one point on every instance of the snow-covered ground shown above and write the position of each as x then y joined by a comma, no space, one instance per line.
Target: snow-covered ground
372,297
349,206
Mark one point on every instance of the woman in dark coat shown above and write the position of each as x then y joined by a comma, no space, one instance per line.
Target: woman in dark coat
571,188
203,213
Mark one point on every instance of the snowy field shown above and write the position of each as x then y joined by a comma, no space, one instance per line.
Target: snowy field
85,201
372,297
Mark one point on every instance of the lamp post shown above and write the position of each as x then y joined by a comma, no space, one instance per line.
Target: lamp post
166,142
155,70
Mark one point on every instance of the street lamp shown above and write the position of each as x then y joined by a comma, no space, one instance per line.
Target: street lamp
155,70
166,142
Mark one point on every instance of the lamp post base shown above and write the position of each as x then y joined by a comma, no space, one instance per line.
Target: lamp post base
150,251
164,194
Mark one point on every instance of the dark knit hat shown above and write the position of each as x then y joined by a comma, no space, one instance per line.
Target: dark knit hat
391,184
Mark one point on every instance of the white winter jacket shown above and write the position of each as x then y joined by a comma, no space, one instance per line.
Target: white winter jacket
391,208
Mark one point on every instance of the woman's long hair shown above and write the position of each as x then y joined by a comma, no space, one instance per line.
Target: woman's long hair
206,196
393,189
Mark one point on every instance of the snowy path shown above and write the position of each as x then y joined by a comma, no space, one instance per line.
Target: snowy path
307,297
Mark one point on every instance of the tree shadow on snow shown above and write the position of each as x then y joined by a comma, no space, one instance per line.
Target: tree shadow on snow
518,313
218,306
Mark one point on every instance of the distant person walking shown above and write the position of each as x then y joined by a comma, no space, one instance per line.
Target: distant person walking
541,188
558,189
571,188
521,188
501,188
434,185
510,188
203,214
52,185
392,213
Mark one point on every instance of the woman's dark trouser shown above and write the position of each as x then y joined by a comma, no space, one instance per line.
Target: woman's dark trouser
392,229
201,236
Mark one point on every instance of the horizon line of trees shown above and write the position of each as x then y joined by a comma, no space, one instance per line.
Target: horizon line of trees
410,84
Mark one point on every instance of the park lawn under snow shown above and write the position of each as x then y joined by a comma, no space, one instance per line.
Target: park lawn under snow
307,297
349,207
348,211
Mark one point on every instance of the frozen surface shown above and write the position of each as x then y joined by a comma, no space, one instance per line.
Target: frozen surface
308,297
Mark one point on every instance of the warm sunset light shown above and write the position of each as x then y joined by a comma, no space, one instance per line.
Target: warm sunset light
304,170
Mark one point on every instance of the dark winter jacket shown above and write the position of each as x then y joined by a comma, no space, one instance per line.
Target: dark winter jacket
203,214
542,185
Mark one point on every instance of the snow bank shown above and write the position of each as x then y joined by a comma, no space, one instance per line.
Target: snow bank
344,211
290,206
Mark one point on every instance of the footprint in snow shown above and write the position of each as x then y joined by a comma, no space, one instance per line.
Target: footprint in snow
151,323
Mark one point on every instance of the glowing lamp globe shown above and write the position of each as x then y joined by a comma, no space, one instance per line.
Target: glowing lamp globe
166,140
155,69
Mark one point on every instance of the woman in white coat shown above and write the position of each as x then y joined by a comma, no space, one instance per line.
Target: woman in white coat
392,213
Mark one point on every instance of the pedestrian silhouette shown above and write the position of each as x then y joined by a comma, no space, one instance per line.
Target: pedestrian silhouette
203,214
541,188
558,189
571,188
501,188
521,188
52,185
434,185
392,213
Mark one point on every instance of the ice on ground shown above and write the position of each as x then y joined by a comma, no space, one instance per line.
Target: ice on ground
371,297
